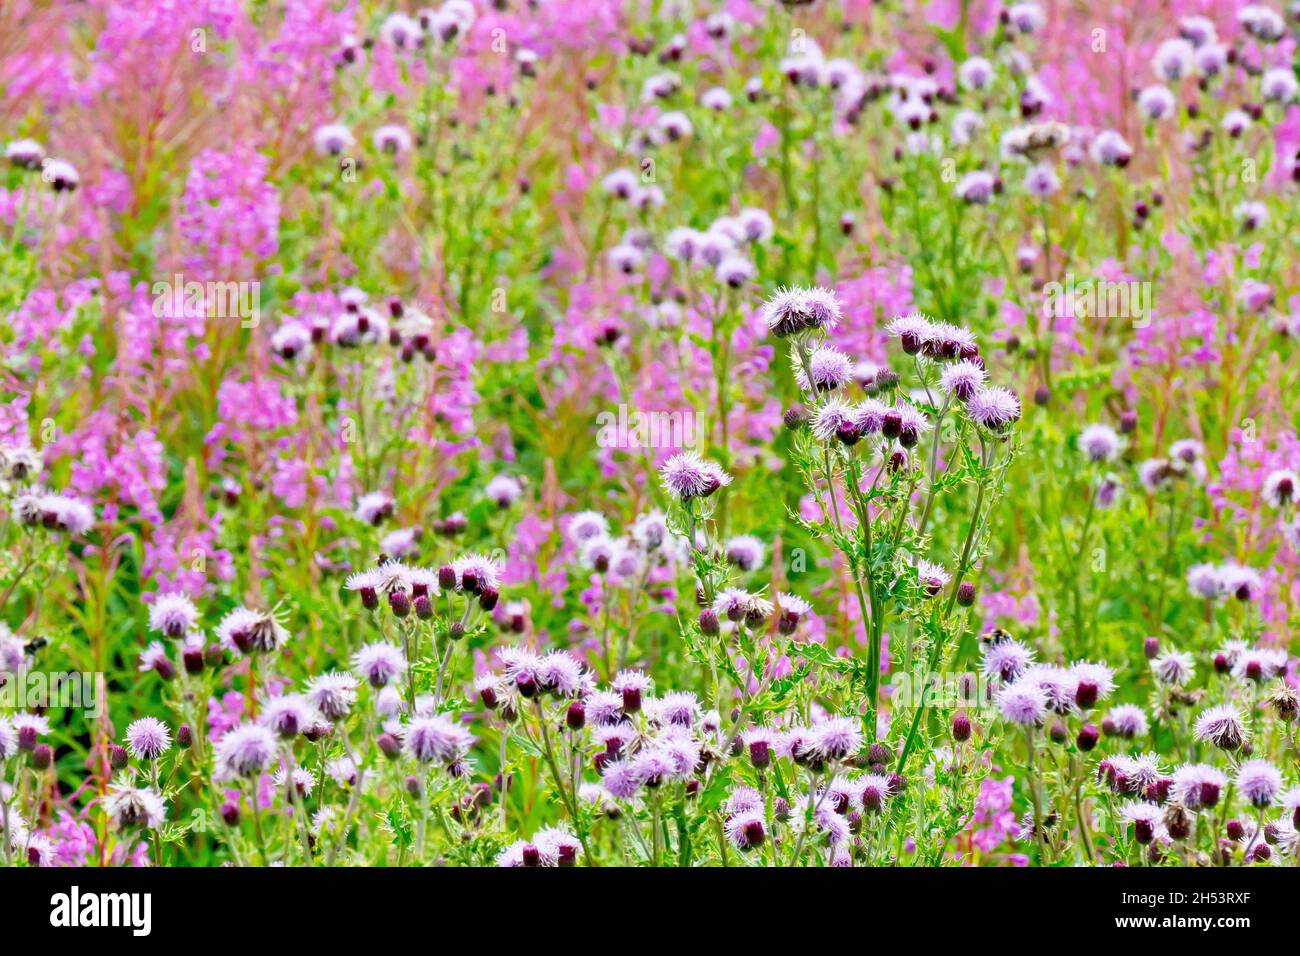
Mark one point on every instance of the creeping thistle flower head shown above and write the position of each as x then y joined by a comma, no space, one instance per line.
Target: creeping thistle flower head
245,751
828,367
994,408
1222,726
129,806
147,738
173,615
1100,443
1259,782
687,476
795,311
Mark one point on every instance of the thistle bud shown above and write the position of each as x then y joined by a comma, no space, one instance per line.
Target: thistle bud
795,417
576,716
961,728
400,602
192,658
42,757
389,746
966,594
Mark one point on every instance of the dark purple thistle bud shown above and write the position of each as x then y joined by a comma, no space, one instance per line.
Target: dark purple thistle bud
795,417
1209,793
966,594
1221,664
788,622
709,622
413,785
27,738
1158,791
214,654
165,668
892,425
1042,395
315,731
897,782
488,597
456,631
1109,727
400,602
243,640
1144,831
878,754
389,746
470,582
1085,695
961,728
423,606
760,754
369,598
631,700
1262,853
526,684
42,757
1151,647
896,461
184,736
118,757
576,716
1271,834
568,855
192,658
1235,829
1087,738
1128,421
886,378
1254,670
908,436
488,697
754,834
1058,732
230,814
447,577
